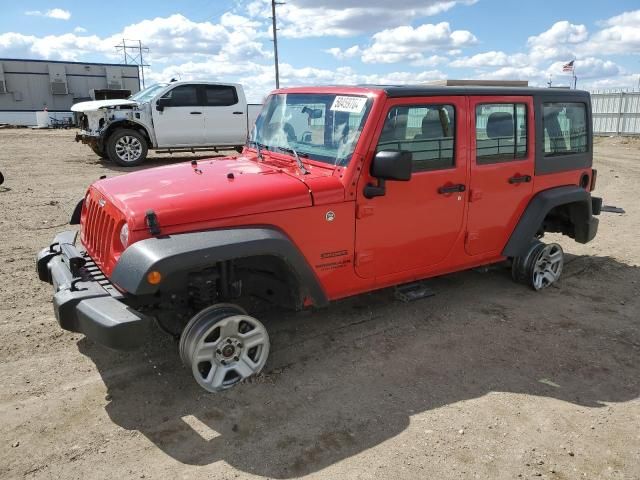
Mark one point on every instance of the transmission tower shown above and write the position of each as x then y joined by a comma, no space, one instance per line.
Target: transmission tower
133,54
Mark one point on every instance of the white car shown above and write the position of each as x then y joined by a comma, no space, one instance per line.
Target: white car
173,117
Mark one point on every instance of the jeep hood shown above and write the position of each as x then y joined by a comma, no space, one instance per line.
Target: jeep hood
213,189
98,104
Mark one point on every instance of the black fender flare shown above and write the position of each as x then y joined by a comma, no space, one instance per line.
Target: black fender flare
540,205
122,123
198,250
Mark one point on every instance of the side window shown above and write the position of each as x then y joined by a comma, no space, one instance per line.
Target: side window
183,96
565,128
427,131
220,95
501,132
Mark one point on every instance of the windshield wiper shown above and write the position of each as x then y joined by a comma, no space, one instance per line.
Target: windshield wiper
297,156
259,147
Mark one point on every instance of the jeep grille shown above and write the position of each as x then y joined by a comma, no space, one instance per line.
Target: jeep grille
97,231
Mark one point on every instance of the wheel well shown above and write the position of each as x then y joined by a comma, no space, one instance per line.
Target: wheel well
564,219
126,124
269,277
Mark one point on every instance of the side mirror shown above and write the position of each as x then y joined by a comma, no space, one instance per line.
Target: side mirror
161,103
392,165
389,165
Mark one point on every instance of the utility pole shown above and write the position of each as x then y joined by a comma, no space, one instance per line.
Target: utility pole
133,54
275,39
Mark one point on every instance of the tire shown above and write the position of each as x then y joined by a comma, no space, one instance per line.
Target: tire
98,152
127,148
223,346
540,267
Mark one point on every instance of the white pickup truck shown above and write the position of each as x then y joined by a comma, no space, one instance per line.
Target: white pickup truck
172,117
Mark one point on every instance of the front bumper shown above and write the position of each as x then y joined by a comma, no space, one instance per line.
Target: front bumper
84,300
88,138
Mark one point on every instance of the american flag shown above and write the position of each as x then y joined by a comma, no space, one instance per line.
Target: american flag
568,67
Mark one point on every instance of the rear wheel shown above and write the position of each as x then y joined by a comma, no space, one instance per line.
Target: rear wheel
127,148
222,346
540,267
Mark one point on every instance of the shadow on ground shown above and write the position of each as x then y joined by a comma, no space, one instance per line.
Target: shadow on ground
342,380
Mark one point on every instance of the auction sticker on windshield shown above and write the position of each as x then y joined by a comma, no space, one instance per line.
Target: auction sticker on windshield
348,104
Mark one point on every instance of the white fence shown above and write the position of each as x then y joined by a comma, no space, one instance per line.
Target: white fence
616,112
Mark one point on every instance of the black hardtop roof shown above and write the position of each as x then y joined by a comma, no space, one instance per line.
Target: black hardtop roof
438,90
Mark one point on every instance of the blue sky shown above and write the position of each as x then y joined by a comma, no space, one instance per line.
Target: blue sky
341,41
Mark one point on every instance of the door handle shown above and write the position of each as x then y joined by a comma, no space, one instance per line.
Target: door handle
238,113
452,188
520,179
196,113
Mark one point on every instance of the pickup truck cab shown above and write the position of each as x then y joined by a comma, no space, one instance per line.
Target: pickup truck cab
176,116
338,191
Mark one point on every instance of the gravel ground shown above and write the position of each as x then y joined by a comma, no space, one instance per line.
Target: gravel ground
486,380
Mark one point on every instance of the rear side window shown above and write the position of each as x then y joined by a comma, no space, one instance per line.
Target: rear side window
501,132
565,128
183,96
427,131
220,95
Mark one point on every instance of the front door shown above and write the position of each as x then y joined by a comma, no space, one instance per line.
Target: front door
416,223
181,123
502,169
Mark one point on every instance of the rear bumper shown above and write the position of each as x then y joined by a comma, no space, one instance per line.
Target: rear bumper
84,301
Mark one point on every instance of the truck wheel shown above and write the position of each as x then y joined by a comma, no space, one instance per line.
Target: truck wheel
98,152
127,148
540,267
222,346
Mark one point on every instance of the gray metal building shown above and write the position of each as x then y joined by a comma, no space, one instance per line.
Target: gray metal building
30,86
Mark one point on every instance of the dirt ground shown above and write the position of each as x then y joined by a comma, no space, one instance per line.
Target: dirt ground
486,379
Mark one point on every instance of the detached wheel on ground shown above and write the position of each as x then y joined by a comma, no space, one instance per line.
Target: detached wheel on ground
127,148
222,346
540,267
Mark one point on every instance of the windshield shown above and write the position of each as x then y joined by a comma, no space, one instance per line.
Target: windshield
148,93
323,127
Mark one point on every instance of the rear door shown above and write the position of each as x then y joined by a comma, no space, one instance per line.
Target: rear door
181,123
416,223
225,115
502,168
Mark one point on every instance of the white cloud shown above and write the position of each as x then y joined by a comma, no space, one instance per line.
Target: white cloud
346,53
589,68
262,79
57,13
344,18
620,35
491,59
170,39
79,30
56,47
407,43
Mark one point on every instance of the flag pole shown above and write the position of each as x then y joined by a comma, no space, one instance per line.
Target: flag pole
575,79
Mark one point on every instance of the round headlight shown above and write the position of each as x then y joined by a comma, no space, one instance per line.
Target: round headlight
124,235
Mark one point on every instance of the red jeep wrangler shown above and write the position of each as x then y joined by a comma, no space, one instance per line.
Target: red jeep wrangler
339,191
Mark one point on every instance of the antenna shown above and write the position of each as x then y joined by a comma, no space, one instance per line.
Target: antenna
133,54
